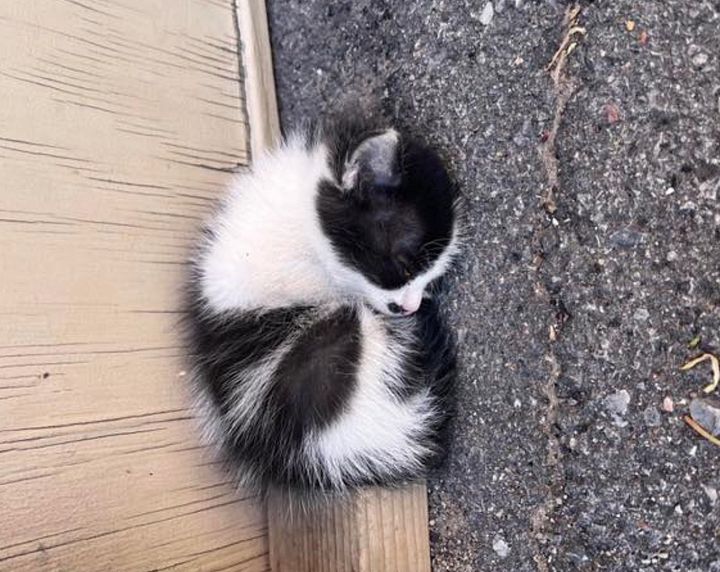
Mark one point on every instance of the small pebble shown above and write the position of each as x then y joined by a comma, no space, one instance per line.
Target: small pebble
704,412
501,547
578,557
667,405
617,405
487,14
626,238
612,113
711,493
618,402
641,315
699,59
651,416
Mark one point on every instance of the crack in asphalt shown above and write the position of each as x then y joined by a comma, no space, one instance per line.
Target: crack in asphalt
564,87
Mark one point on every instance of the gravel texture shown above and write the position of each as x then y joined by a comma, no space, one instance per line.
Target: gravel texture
574,314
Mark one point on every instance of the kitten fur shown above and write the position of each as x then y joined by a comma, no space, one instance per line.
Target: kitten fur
320,363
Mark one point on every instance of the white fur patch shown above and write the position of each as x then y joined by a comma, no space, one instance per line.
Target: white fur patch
378,433
251,386
265,250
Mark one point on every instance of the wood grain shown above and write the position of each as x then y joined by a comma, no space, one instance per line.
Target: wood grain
120,124
378,530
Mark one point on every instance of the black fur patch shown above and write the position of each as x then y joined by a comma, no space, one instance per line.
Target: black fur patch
224,344
314,381
436,358
311,387
390,234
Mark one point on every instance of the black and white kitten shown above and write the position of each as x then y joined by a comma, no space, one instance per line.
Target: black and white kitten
320,363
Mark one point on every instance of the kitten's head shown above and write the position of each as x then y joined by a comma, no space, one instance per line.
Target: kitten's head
390,215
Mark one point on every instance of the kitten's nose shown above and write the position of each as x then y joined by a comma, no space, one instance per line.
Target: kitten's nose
411,301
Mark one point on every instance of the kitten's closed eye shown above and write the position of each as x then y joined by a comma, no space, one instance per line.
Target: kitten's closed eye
404,265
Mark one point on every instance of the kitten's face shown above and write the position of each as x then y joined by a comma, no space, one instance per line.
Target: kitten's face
392,221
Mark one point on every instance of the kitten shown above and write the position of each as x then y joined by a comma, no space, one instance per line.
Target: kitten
320,364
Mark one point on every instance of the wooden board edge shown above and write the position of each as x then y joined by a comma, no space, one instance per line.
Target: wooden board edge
256,56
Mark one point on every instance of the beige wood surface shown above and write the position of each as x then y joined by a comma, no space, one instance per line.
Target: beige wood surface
120,120
378,530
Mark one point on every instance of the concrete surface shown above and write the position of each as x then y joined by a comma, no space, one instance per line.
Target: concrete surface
573,322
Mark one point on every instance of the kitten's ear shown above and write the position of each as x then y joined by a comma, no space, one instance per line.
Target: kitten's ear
374,163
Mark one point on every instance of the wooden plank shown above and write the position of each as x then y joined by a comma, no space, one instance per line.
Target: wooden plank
259,80
379,529
120,123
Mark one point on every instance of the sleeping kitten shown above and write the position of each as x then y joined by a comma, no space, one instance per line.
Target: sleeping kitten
320,364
